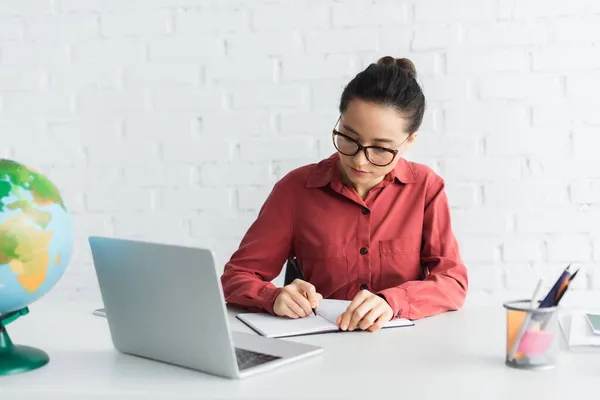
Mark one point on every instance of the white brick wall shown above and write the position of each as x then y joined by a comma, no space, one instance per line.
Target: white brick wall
172,119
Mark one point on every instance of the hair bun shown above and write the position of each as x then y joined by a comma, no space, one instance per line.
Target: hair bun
403,63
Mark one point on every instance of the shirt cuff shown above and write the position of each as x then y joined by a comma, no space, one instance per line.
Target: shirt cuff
268,295
398,300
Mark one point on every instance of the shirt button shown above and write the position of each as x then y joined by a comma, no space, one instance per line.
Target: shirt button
364,250
365,211
364,286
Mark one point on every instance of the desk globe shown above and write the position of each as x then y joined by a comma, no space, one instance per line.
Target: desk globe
36,242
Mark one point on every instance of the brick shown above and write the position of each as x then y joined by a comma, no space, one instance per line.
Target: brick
446,88
546,115
34,54
586,141
553,220
315,124
264,43
162,74
394,41
238,69
583,84
229,174
11,29
381,13
321,67
187,98
61,28
519,248
93,224
158,126
521,277
476,62
325,95
26,7
211,20
341,40
468,117
482,169
436,37
282,168
78,78
94,101
287,148
585,191
135,24
252,198
435,145
478,249
106,51
238,124
526,142
542,9
21,130
569,248
562,59
184,200
505,33
186,50
487,277
84,178
140,225
532,87
121,199
462,10
479,221
289,16
568,31
253,97
463,194
84,130
152,175
20,79
50,104
221,226
128,152
195,151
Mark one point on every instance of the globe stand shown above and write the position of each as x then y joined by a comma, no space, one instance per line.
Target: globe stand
15,359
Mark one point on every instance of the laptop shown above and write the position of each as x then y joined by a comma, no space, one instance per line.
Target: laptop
165,303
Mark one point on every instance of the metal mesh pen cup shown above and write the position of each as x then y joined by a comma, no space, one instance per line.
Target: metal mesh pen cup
532,335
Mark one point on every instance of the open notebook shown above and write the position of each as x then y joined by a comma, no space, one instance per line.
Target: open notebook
329,309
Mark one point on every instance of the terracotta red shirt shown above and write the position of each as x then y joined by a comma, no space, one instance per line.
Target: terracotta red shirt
398,242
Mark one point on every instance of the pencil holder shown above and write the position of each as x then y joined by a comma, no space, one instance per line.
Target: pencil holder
532,335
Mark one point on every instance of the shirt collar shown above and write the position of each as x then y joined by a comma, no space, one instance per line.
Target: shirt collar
327,171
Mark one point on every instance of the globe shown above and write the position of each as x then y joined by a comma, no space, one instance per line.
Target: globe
36,242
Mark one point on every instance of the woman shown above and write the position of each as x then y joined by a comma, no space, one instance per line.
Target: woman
365,224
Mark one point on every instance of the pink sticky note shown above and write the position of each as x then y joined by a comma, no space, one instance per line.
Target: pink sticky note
535,342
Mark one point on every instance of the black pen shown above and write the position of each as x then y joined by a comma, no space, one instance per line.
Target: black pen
296,264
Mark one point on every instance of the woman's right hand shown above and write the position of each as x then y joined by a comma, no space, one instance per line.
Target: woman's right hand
297,300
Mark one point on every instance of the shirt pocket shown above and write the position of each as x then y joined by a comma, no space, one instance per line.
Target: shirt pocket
400,261
325,266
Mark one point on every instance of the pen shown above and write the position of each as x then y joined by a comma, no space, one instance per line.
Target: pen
553,293
562,293
296,264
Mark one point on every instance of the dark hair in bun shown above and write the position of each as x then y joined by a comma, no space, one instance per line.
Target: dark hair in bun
389,82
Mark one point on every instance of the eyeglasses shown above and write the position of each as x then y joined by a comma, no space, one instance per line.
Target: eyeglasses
376,155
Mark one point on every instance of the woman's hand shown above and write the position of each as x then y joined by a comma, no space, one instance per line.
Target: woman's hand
367,311
297,300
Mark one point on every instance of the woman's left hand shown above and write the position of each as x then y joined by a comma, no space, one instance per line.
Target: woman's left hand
367,311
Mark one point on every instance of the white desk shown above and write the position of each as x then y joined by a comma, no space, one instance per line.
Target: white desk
455,355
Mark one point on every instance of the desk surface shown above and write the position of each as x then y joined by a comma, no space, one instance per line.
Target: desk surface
460,354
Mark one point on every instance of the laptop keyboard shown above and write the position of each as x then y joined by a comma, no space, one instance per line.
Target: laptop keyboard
247,358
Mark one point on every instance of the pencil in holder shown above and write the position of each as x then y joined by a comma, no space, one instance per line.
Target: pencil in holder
532,335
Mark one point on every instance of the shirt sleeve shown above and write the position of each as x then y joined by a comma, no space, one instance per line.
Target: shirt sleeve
445,286
261,255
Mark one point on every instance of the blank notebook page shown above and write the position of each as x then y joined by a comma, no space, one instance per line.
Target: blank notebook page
272,326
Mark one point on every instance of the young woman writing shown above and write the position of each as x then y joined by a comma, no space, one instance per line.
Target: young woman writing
365,224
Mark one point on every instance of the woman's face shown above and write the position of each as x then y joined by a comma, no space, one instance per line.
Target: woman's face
371,125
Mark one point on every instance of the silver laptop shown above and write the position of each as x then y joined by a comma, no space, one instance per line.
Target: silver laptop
165,303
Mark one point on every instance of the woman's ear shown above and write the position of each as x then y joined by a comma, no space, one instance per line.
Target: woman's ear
412,137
